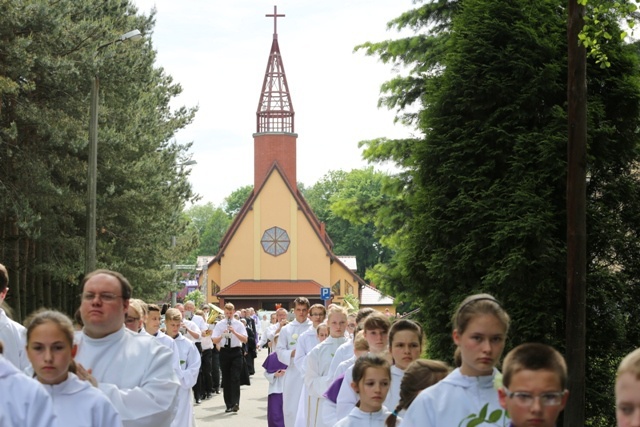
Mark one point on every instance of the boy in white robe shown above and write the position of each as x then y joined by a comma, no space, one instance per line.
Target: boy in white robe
189,368
316,378
286,350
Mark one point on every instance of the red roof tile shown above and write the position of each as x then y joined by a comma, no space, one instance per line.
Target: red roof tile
274,288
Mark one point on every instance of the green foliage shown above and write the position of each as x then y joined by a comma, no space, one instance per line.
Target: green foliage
481,417
196,296
481,195
234,202
601,25
354,301
208,224
46,70
346,203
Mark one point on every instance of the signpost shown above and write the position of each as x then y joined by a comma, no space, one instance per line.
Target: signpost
325,294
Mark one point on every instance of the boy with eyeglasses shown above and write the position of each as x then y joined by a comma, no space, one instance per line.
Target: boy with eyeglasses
534,384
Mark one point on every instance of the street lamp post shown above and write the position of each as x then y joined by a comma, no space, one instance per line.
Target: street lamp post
92,163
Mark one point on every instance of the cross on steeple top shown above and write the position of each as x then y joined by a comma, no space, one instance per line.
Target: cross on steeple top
275,17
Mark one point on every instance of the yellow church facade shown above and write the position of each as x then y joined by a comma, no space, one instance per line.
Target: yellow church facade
276,249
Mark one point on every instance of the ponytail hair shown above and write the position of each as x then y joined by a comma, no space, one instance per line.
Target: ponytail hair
420,374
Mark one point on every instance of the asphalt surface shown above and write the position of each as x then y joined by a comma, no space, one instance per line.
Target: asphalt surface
253,404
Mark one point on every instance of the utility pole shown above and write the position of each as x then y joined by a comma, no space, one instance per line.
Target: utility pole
574,413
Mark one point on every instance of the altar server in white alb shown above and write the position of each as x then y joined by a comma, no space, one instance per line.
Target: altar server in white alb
24,402
189,368
316,376
286,350
371,382
309,339
49,348
480,329
135,371
12,334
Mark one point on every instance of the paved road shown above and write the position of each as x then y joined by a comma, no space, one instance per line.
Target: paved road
253,404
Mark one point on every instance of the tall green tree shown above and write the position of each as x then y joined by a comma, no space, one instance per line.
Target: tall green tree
234,201
486,182
48,62
210,223
347,202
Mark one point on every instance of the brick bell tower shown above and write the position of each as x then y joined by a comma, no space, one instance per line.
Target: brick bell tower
274,140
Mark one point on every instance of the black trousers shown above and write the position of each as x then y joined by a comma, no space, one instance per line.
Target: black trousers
215,368
197,389
205,372
231,365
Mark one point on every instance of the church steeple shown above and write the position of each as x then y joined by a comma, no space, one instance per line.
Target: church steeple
275,140
275,111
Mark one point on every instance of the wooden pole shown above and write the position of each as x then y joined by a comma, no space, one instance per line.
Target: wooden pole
574,414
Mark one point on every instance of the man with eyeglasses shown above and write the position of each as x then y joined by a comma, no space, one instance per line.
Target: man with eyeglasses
134,370
286,350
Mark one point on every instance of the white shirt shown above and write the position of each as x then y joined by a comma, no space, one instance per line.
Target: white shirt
358,418
316,377
14,337
433,407
306,342
221,328
193,326
293,380
136,373
170,343
188,376
24,401
78,403
344,352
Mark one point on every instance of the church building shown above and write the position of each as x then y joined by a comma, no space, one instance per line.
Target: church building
276,249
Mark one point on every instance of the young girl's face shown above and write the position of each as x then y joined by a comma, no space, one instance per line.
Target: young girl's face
405,348
373,388
378,340
337,325
49,351
481,345
628,400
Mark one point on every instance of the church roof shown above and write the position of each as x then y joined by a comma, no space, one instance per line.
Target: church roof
317,226
371,296
269,288
275,110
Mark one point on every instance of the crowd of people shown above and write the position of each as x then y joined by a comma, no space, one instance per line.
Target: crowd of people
127,363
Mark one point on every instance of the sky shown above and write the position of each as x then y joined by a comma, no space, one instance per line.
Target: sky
218,52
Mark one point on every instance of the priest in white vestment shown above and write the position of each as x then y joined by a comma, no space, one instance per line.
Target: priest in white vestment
286,350
135,371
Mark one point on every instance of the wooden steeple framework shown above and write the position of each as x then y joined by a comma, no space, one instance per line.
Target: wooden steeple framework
275,111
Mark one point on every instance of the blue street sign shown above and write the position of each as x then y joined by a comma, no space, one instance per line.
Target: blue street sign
325,293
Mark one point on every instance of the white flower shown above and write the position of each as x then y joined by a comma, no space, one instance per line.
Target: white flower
497,381
295,337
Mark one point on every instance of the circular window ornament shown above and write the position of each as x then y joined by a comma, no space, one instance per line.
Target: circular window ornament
275,241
